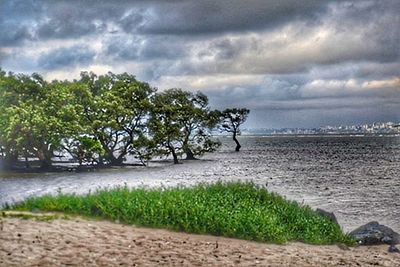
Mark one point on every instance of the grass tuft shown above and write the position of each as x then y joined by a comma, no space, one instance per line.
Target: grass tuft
36,216
235,209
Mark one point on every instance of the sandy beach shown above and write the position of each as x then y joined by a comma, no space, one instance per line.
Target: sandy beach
81,242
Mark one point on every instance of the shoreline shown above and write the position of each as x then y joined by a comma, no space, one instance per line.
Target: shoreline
346,177
77,241
63,167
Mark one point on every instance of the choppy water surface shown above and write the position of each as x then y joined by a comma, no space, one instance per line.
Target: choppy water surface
358,178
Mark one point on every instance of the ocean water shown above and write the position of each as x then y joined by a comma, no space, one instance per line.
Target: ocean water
357,178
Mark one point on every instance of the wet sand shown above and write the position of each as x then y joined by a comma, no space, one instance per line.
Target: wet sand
79,242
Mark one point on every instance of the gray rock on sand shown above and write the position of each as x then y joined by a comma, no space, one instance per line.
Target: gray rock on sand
393,249
374,233
330,215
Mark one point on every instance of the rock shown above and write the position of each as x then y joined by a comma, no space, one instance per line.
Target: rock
393,249
374,233
330,215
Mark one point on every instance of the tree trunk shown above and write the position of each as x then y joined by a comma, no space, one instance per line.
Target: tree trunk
174,155
189,155
112,160
116,161
27,165
186,148
238,146
45,159
10,160
121,158
109,155
101,161
45,164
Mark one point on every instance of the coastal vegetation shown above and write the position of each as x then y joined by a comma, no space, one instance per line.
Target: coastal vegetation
235,209
231,119
100,120
181,123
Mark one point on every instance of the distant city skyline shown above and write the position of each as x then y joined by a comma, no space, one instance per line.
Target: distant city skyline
305,63
374,128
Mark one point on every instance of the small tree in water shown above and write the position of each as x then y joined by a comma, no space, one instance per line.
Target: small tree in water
231,119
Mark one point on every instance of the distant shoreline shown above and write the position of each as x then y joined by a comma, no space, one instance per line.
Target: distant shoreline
315,135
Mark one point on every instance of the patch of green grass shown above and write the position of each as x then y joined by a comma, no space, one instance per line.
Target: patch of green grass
38,217
239,210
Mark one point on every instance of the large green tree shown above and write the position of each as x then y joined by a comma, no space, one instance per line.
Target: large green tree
102,119
36,116
116,109
9,85
181,123
198,121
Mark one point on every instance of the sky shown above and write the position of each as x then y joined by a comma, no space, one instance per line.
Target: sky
303,63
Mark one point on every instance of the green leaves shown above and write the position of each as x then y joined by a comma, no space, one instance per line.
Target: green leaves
36,115
116,109
102,119
181,122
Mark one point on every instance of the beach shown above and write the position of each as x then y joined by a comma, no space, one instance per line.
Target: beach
356,178
81,242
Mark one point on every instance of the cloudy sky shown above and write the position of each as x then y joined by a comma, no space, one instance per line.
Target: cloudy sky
299,63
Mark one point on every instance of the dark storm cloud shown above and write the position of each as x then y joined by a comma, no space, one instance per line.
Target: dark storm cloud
145,48
20,10
66,27
189,16
294,99
15,20
132,21
69,19
66,57
360,30
12,37
63,20
122,48
225,49
163,48
374,70
376,23
194,17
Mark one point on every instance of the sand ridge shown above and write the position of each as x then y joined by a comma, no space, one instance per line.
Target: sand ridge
80,242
